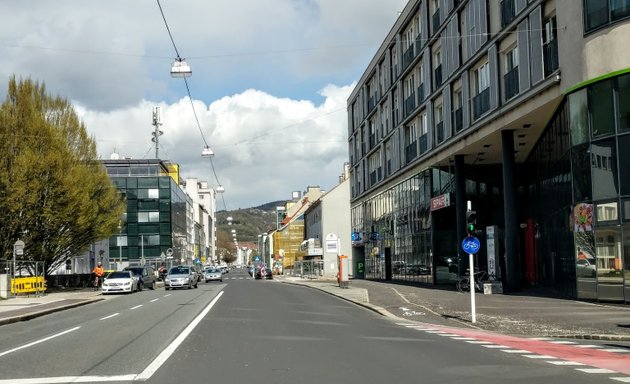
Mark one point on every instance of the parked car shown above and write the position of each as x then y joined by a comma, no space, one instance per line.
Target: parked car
144,275
197,273
119,281
586,268
180,277
268,274
212,274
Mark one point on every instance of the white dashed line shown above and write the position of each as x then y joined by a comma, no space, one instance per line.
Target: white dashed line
39,341
540,338
617,350
595,370
136,307
495,346
539,356
563,362
154,300
477,342
515,351
110,316
563,342
463,338
447,334
588,346
621,379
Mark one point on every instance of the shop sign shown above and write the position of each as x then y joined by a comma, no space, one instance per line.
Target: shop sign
440,202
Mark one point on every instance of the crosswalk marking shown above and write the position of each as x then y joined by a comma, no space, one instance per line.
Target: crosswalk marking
563,362
595,370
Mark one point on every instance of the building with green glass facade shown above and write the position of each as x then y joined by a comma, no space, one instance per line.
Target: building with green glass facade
520,107
159,213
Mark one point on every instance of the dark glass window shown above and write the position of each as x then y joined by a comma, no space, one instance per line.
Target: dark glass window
604,169
578,115
165,181
581,173
602,108
624,162
623,90
132,182
595,14
619,9
147,182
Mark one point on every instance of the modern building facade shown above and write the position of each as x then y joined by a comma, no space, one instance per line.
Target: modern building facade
159,214
204,235
326,222
520,107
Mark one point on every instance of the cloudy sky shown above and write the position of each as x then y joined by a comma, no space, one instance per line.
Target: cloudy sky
269,87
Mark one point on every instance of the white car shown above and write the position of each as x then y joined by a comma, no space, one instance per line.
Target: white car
119,281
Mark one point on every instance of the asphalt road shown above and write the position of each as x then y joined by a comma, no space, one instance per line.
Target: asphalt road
245,330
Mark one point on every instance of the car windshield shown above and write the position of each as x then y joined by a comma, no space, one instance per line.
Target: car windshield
179,271
118,275
212,270
135,271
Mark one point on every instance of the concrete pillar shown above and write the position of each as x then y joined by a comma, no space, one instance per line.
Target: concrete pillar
460,210
512,254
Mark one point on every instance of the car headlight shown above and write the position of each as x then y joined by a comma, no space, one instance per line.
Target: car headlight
127,283
186,279
167,280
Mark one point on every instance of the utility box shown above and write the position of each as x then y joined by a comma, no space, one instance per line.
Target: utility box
494,287
344,267
4,286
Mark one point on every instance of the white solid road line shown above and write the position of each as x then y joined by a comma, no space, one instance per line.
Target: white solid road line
168,351
39,341
69,379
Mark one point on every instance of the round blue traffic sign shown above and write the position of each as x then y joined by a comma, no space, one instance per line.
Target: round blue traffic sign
471,244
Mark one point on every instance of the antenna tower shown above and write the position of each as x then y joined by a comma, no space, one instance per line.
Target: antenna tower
157,121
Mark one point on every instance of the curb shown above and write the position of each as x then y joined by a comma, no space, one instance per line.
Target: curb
32,315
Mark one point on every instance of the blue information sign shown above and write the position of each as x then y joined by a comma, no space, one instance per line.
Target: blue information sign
471,244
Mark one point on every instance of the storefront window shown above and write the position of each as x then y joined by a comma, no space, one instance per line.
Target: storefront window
623,92
578,112
604,169
602,109
608,248
581,173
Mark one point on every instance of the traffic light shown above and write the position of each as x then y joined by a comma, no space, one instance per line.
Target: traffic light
471,223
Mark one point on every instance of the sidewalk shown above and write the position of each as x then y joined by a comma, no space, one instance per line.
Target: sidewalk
23,308
530,313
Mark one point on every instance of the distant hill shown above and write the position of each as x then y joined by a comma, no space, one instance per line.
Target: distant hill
248,222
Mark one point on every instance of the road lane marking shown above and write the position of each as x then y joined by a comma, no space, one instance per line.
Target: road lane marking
515,351
39,341
594,370
588,346
136,307
617,350
539,356
563,362
494,346
477,342
622,379
167,295
154,300
110,316
563,342
68,379
170,349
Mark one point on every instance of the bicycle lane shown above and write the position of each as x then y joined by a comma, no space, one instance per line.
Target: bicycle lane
572,353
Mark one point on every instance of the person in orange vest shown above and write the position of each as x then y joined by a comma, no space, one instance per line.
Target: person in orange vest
98,272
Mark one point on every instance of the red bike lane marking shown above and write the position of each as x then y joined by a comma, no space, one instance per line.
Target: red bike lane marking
587,356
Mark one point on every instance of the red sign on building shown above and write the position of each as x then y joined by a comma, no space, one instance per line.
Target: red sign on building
440,202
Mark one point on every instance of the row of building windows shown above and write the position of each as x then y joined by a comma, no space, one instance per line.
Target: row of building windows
601,13
426,124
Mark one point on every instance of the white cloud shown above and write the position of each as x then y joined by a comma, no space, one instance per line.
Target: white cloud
265,147
266,85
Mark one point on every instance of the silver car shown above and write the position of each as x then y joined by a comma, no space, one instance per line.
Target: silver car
212,274
180,277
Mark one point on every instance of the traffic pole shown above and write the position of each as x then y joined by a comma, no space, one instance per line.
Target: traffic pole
471,264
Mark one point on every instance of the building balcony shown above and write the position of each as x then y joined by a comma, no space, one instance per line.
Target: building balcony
458,119
424,143
550,57
511,83
508,12
420,93
371,103
410,104
408,56
439,131
438,75
435,21
411,152
481,103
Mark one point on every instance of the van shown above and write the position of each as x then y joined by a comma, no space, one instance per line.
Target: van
144,275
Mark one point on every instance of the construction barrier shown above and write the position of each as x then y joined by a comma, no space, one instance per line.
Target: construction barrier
31,284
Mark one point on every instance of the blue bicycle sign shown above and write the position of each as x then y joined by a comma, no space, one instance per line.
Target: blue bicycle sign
471,244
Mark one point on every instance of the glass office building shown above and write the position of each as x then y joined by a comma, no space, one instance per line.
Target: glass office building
158,212
507,109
